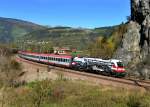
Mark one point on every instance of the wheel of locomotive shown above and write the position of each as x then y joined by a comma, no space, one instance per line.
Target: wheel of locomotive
107,70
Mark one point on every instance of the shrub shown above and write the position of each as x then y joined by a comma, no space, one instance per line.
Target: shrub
9,69
74,94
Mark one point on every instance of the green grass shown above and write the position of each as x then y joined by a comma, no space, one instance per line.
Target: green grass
60,93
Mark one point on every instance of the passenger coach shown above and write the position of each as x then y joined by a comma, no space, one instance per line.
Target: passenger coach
52,59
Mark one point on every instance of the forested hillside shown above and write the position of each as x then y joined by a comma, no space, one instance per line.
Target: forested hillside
11,29
97,42
70,37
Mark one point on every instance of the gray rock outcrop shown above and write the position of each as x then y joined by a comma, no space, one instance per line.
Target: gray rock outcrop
140,14
130,49
136,41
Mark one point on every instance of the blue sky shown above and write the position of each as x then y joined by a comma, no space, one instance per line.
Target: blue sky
74,13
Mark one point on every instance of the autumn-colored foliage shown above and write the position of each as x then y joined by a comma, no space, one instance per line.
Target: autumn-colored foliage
105,47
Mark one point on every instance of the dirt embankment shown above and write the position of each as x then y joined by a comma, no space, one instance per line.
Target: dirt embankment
32,72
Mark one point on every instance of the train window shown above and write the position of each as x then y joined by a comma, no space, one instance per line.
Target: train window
66,60
112,64
48,58
60,59
63,60
120,64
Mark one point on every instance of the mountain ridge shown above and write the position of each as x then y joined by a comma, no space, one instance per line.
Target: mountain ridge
11,29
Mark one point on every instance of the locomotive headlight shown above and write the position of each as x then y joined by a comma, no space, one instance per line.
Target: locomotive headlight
73,63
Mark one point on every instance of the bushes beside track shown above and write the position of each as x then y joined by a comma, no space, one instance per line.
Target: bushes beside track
67,93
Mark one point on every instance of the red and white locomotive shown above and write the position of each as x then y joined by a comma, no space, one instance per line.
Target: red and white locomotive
112,66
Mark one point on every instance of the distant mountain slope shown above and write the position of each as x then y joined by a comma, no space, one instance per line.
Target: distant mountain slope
11,29
66,36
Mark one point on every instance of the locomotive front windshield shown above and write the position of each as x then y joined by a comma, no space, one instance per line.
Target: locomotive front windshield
120,64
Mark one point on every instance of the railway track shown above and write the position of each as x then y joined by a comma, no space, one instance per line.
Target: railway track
98,79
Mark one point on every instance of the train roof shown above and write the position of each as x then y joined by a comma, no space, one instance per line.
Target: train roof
46,55
97,59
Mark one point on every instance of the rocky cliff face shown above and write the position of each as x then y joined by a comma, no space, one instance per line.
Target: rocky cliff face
136,41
